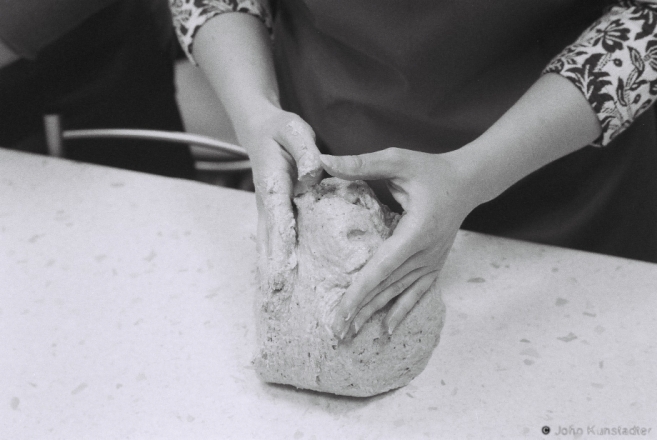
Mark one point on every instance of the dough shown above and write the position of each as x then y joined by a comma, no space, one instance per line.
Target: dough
339,226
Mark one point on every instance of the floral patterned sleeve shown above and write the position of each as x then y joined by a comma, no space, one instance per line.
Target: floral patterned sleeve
190,15
614,64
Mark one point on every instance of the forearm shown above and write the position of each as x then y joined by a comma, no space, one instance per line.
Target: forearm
234,51
613,65
551,120
592,99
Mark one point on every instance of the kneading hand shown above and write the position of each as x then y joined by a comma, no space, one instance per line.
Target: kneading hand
285,160
434,195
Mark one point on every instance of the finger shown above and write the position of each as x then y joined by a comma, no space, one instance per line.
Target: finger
262,245
385,164
381,299
410,265
299,140
275,192
407,301
262,238
392,253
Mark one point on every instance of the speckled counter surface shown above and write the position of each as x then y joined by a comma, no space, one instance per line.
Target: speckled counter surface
125,312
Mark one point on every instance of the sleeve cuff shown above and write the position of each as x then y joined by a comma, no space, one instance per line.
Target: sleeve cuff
190,15
614,64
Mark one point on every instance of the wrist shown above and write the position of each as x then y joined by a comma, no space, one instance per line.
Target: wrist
551,120
253,117
477,176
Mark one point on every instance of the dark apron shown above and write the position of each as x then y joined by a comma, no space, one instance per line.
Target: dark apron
432,75
113,71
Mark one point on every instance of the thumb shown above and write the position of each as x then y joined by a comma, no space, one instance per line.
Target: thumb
279,230
298,139
385,164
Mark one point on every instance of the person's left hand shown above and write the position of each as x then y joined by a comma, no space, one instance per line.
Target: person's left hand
433,191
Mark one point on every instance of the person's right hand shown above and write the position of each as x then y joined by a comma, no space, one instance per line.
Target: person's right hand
234,52
285,162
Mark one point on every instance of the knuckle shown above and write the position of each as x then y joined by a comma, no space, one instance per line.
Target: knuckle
295,118
355,163
297,125
305,127
291,131
398,286
297,136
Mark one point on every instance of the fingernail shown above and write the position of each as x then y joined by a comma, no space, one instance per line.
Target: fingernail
344,333
391,328
348,316
356,327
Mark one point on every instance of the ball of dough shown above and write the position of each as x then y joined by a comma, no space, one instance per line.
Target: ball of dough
340,224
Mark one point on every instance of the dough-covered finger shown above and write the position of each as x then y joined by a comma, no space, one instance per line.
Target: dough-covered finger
407,300
262,237
275,192
298,139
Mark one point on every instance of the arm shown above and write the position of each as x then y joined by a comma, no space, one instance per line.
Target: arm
233,49
614,65
551,120
437,192
589,94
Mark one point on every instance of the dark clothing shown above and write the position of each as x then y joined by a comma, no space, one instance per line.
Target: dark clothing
114,70
433,75
28,26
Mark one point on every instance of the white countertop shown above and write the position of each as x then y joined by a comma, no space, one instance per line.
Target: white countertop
125,312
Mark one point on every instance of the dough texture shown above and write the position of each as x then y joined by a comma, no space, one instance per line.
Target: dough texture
339,226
